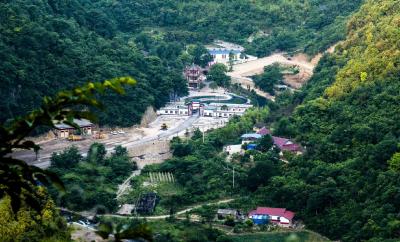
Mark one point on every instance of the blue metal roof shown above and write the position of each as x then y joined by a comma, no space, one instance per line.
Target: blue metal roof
222,52
251,146
255,136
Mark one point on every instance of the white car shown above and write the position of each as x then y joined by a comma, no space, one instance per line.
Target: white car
121,132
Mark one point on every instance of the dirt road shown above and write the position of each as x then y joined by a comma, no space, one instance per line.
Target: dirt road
177,213
242,72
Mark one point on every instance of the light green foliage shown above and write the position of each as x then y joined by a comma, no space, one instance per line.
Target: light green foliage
394,162
31,225
372,48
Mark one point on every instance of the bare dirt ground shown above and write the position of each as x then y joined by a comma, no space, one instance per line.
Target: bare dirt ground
242,72
146,143
131,136
83,234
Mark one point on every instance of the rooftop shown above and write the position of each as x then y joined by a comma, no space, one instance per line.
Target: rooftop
280,212
264,131
254,136
222,51
285,144
80,122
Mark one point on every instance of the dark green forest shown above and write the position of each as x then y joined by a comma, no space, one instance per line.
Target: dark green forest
49,45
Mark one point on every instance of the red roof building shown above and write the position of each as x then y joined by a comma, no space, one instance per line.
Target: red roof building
194,76
286,144
282,143
279,216
264,131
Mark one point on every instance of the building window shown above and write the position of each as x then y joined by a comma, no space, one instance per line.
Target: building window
223,56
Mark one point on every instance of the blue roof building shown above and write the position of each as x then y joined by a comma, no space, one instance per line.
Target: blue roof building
223,51
249,138
251,146
259,219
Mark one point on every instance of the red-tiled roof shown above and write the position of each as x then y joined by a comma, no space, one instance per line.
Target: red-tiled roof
280,142
280,212
264,131
285,144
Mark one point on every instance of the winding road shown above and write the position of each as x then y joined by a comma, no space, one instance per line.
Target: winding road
44,159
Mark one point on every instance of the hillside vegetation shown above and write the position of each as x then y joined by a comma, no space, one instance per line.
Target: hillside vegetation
346,185
48,45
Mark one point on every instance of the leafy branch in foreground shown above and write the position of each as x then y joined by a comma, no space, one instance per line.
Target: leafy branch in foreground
17,177
125,231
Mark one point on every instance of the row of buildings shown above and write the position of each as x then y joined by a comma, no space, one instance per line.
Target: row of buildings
249,141
283,144
63,130
262,215
196,107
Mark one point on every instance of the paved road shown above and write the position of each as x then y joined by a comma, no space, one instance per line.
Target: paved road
44,159
178,213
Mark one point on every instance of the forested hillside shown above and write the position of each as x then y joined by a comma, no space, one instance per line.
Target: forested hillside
48,45
347,184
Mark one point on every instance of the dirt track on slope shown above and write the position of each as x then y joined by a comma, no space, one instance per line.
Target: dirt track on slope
242,72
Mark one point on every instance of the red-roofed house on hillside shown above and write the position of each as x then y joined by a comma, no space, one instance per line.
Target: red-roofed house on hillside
286,144
279,216
264,131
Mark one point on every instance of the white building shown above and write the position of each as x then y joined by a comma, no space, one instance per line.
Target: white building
221,55
224,110
178,108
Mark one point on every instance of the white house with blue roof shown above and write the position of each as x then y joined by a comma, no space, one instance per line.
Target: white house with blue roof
221,55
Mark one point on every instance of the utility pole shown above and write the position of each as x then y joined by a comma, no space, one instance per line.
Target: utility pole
233,177
203,135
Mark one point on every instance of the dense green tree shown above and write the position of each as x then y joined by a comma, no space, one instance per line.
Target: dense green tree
71,155
218,75
200,55
265,143
272,75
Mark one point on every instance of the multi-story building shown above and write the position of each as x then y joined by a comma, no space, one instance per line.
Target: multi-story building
194,75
